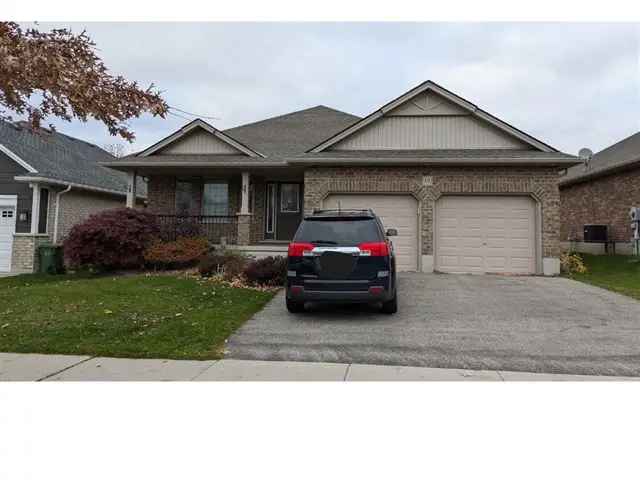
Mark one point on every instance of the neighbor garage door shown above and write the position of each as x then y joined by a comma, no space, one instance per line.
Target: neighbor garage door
396,211
482,234
7,228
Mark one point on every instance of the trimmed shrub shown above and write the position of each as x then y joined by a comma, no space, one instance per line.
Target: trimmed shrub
181,253
226,263
269,271
111,239
572,263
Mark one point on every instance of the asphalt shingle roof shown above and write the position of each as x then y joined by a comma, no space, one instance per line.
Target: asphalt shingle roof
294,132
60,157
619,155
287,139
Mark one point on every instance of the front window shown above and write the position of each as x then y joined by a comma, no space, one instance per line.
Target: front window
215,199
289,198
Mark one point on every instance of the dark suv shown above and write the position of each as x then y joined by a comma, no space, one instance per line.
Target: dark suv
341,256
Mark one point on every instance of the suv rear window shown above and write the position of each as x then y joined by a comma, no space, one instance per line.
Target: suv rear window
339,231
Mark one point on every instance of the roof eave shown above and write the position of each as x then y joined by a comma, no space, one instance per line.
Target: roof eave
586,177
128,166
63,183
397,162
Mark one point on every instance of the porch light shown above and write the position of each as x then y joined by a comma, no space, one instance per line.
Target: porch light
23,216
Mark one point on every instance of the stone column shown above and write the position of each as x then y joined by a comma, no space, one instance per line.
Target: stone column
244,191
244,228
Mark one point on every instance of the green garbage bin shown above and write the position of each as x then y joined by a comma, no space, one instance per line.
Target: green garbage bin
50,259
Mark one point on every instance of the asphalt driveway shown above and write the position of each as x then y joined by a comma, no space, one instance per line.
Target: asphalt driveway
485,322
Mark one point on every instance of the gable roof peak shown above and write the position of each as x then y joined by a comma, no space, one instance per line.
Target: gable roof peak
200,123
449,95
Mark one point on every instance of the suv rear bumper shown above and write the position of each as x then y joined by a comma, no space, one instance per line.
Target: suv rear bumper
301,294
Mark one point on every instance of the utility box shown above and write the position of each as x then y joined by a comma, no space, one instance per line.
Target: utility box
596,233
51,260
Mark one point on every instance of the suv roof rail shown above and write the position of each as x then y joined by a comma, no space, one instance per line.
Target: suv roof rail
342,210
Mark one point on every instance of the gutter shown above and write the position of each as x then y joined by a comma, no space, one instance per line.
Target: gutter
561,162
81,186
155,163
57,214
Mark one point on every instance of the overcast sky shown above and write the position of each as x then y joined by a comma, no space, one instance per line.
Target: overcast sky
569,84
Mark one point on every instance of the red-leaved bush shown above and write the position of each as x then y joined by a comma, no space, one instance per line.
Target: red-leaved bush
268,271
180,253
111,239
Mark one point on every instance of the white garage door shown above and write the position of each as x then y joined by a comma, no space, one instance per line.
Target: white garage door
396,211
481,234
7,228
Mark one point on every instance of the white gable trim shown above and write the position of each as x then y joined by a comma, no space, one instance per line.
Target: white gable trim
198,123
474,110
17,159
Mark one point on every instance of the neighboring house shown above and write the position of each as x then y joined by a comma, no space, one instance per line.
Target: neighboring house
49,182
602,193
466,191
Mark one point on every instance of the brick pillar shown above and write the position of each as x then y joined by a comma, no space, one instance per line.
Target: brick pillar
244,229
24,258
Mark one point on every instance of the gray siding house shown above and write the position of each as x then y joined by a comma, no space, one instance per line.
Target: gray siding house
49,182
467,192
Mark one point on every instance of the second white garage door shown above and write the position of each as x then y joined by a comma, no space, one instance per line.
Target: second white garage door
396,211
485,234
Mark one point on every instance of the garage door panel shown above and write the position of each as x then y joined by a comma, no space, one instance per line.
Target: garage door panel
490,234
7,229
396,211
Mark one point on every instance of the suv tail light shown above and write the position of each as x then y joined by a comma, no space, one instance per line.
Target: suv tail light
374,249
299,249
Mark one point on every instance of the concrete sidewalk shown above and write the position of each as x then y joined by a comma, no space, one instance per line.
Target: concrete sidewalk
36,367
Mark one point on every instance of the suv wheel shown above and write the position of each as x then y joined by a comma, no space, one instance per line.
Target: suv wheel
295,307
391,306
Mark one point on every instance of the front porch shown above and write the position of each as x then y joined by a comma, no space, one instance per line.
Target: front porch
260,209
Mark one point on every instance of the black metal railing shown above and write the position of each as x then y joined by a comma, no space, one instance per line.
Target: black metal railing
214,228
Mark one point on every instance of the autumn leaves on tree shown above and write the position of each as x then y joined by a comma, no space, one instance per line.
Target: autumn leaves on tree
58,74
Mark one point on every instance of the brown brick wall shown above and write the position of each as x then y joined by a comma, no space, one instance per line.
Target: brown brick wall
76,206
604,200
541,183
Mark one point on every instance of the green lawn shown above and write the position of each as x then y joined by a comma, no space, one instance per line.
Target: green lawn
619,273
122,316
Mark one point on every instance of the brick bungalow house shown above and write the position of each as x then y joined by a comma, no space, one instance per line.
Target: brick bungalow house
602,193
49,182
466,191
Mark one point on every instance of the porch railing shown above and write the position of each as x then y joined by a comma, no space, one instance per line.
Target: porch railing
212,227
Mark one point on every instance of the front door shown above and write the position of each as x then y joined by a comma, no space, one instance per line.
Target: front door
283,210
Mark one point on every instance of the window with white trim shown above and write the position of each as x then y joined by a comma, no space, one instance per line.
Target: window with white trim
215,199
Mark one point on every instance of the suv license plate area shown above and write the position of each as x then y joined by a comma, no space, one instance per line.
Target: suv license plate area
336,264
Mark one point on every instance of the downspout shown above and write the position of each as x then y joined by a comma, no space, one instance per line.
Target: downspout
57,214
